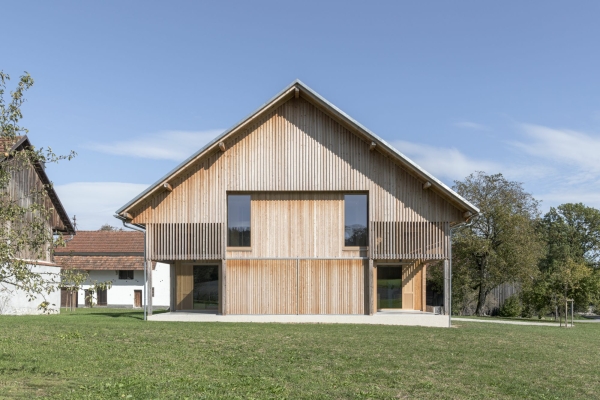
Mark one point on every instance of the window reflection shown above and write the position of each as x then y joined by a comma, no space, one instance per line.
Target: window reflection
238,220
206,287
355,224
389,286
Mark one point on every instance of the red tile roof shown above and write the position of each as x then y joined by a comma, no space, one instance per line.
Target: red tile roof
103,250
101,262
100,242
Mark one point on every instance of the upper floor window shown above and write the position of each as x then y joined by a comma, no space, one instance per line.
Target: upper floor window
125,274
238,220
355,220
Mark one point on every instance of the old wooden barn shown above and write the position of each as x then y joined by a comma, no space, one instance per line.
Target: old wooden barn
298,210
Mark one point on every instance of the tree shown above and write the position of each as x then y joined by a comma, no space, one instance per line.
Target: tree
23,220
570,268
110,228
501,245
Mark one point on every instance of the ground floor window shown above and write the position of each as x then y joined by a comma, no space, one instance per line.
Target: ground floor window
389,286
206,287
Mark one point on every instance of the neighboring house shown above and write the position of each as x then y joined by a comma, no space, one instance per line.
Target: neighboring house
23,182
116,256
298,209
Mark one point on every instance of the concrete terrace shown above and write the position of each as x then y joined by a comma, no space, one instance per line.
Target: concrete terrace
409,318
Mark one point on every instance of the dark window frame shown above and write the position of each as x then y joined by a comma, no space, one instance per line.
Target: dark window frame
126,274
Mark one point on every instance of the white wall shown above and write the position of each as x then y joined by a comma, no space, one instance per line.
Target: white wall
15,301
121,292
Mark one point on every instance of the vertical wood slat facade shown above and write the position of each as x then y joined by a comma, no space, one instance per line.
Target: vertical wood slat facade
297,148
262,287
184,286
332,286
297,286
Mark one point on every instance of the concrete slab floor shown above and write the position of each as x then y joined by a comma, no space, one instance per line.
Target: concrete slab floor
381,318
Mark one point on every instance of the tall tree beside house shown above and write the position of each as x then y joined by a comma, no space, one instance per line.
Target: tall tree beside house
23,218
501,244
570,268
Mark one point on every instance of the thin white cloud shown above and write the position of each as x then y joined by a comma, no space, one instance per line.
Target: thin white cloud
573,195
169,145
445,162
569,147
94,203
471,125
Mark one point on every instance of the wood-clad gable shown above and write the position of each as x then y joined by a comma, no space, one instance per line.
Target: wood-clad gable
297,154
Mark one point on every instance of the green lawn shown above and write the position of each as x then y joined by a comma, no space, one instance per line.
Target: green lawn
103,353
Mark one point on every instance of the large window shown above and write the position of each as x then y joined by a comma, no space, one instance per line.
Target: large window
238,220
355,220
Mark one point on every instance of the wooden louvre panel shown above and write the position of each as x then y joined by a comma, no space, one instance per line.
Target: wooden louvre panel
410,240
185,241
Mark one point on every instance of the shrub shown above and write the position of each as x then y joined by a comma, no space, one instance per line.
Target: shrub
511,307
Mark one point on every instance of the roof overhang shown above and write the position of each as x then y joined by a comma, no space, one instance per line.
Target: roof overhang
297,88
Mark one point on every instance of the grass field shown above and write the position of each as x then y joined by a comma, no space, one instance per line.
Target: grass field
103,353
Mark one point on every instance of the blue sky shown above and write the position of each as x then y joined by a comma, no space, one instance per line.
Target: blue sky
136,87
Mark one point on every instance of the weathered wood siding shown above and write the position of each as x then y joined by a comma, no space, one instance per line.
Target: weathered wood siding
299,148
27,190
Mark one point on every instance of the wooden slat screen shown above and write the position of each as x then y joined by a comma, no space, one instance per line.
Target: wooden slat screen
409,240
181,241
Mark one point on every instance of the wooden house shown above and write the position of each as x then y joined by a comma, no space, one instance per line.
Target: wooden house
29,188
298,209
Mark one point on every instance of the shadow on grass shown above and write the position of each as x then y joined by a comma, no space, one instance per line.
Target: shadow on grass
111,312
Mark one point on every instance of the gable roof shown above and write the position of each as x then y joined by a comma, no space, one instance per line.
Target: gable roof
103,250
22,142
297,88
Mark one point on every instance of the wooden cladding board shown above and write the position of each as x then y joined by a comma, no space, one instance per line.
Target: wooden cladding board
184,286
413,293
332,286
262,287
296,286
299,148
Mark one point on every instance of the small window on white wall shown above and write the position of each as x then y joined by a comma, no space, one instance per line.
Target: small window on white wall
126,274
